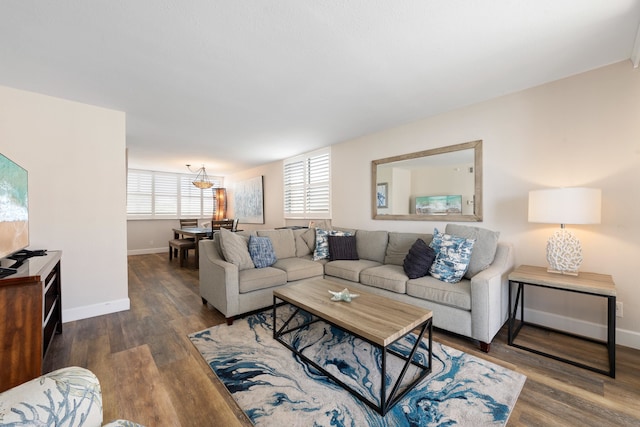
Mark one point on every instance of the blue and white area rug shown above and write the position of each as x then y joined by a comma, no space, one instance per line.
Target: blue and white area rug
275,388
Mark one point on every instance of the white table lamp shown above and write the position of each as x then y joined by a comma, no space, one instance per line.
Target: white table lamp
565,206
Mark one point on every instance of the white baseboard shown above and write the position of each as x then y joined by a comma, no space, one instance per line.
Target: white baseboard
148,251
581,327
94,310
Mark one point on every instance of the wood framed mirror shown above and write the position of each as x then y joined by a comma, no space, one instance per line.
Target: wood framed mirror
441,184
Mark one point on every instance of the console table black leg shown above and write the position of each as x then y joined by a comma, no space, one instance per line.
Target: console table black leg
511,317
611,334
513,311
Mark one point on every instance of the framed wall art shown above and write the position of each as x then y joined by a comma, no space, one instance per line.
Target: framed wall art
248,201
439,205
382,194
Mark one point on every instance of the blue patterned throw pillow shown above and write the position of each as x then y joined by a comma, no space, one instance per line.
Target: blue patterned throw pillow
261,251
452,256
322,242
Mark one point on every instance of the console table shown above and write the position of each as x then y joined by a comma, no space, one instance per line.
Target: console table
30,316
599,285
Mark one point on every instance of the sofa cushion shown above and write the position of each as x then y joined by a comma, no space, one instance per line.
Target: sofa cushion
372,244
325,224
349,231
299,268
399,245
235,249
284,244
305,241
452,256
388,276
484,249
322,242
216,245
348,270
342,248
260,278
261,251
418,260
452,294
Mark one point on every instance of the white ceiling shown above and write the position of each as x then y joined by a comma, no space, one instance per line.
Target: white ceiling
238,83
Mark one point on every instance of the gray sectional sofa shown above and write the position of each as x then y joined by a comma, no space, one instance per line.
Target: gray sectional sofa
475,307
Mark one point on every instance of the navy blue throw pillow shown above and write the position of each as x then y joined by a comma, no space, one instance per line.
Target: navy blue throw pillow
342,247
418,260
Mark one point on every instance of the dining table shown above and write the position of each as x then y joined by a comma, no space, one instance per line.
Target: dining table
197,233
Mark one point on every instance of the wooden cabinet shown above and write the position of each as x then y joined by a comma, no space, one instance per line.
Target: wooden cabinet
30,316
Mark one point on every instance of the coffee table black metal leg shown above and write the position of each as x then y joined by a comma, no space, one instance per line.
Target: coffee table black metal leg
274,316
393,397
383,382
385,402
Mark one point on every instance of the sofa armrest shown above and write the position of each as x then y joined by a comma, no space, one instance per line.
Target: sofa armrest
219,279
490,295
56,398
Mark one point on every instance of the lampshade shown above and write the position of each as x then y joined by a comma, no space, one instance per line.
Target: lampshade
565,206
220,200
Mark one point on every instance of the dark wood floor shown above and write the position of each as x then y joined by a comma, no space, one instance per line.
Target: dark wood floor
151,373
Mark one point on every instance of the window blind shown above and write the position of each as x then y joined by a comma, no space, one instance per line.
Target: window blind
155,195
307,185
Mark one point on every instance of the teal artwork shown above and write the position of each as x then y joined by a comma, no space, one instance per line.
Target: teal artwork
439,205
14,205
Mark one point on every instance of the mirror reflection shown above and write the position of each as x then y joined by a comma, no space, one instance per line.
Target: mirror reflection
442,184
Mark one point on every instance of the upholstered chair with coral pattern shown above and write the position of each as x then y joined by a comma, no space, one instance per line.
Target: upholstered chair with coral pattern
67,397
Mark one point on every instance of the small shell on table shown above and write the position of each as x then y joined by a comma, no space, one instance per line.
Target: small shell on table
343,295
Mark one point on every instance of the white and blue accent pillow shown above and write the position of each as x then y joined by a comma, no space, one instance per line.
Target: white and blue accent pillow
452,256
322,242
261,251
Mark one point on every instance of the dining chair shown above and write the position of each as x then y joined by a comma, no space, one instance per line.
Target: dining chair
184,223
222,223
188,223
181,248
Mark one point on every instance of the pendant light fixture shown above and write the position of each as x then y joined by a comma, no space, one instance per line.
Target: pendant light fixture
202,180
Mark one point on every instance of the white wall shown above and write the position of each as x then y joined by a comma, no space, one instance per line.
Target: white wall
272,191
579,131
152,236
75,156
